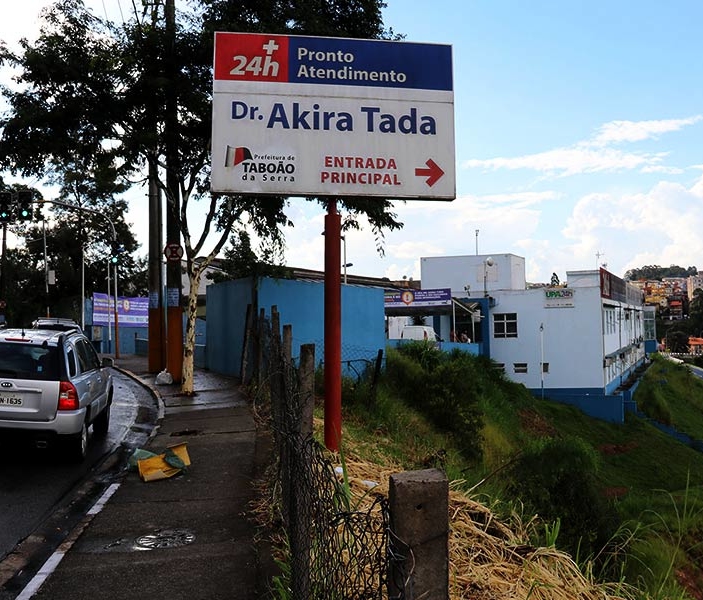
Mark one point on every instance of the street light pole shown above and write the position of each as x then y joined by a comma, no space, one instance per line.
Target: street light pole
46,271
486,263
541,359
117,331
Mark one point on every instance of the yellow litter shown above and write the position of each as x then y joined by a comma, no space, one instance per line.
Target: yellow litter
165,465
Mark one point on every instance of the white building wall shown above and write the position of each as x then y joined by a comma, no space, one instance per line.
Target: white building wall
457,272
587,342
623,337
571,341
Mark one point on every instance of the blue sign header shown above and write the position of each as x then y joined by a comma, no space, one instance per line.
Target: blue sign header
375,63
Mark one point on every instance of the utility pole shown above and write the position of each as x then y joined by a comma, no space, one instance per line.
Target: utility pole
156,348
157,319
174,313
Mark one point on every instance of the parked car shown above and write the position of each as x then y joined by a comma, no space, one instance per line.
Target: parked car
56,323
53,388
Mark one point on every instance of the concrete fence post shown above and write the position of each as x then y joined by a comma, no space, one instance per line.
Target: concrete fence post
419,540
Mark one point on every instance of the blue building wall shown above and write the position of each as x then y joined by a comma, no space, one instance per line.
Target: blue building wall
301,305
226,310
592,401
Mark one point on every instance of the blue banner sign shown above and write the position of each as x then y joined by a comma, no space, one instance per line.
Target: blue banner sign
418,298
131,312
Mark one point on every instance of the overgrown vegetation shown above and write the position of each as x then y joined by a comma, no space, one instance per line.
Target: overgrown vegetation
623,500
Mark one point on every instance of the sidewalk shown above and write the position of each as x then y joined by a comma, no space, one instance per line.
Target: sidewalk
188,537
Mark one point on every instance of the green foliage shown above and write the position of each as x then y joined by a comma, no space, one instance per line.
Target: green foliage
557,479
240,259
558,463
675,393
657,272
652,401
443,387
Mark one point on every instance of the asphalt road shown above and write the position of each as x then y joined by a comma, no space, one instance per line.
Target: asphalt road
37,486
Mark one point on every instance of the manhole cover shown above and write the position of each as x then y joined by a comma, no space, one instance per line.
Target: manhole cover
166,538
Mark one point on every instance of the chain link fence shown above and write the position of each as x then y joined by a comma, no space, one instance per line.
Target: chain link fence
335,548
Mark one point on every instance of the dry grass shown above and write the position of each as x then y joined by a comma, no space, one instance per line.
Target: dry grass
489,559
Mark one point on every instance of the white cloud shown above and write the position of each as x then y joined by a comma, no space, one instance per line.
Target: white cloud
636,131
663,169
663,225
570,161
595,155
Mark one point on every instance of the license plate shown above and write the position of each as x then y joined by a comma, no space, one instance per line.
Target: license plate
10,400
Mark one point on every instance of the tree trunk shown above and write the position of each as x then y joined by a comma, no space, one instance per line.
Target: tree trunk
189,346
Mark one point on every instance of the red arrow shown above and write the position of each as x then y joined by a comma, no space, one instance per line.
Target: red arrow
433,172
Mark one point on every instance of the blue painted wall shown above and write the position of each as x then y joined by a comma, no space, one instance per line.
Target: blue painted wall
226,311
592,401
301,305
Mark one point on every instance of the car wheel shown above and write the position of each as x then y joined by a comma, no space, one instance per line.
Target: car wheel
102,422
78,445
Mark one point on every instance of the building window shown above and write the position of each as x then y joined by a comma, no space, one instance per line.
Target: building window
505,325
520,367
545,367
499,367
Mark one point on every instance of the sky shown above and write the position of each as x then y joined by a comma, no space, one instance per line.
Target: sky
578,130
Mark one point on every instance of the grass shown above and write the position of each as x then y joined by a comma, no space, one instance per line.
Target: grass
646,473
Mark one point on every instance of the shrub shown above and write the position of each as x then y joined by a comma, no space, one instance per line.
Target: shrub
556,479
444,387
651,400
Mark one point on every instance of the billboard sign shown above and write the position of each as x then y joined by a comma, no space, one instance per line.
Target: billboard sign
418,298
311,116
131,312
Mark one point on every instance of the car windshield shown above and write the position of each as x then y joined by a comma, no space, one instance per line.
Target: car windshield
29,362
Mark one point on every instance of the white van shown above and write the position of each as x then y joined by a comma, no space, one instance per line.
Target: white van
419,332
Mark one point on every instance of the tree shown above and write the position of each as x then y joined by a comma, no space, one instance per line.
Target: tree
240,260
657,272
106,85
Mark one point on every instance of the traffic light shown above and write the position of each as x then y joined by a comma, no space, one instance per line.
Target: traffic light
5,207
24,206
115,251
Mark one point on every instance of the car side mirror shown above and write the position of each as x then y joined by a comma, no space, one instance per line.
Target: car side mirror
107,362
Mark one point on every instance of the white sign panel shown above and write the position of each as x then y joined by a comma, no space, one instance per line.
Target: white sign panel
558,297
295,115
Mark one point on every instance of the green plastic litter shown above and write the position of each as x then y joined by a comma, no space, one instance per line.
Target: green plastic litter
172,460
137,455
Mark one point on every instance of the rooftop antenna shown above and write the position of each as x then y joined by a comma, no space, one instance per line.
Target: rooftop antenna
598,255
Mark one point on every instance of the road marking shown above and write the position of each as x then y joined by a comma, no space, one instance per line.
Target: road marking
53,561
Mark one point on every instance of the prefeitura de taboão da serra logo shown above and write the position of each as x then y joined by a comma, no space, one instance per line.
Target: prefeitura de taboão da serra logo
260,167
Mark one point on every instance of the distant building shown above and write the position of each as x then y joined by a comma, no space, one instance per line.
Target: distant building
694,282
579,343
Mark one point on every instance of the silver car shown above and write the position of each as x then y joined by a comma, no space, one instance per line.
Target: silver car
53,387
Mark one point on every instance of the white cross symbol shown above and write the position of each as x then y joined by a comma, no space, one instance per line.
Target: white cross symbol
271,46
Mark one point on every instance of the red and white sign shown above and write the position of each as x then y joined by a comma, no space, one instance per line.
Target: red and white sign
309,116
173,252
